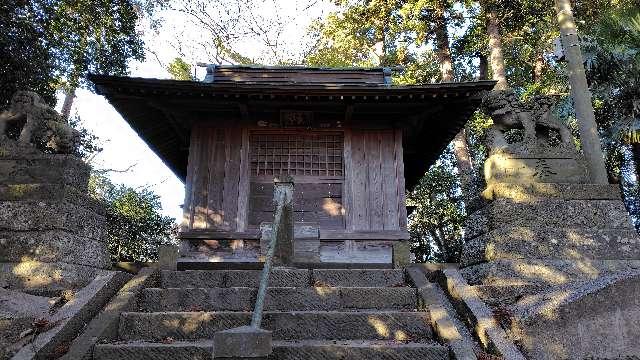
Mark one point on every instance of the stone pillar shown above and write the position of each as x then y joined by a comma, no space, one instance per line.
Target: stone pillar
401,254
283,197
167,257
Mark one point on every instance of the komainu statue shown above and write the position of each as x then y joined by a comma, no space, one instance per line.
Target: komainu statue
37,124
535,117
546,152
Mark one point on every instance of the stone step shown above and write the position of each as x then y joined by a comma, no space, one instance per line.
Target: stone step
283,277
303,325
233,278
279,299
358,278
282,350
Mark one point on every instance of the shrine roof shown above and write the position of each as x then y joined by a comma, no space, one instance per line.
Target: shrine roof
163,111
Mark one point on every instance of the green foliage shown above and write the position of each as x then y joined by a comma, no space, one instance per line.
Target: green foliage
25,63
88,143
51,43
180,70
135,226
435,225
92,36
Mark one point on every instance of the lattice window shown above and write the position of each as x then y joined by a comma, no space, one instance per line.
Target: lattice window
309,154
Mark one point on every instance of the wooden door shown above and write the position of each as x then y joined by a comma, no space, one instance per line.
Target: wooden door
314,159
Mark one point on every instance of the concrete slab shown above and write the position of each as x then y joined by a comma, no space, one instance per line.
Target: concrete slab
104,326
242,342
72,316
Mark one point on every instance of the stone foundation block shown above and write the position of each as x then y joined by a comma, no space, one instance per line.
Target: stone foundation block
52,246
524,166
44,169
552,243
52,215
543,273
167,257
52,193
45,279
597,214
534,191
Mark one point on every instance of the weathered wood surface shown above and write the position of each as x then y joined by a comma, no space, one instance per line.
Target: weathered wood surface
350,251
223,196
293,75
391,235
213,198
243,187
320,203
374,180
402,197
359,181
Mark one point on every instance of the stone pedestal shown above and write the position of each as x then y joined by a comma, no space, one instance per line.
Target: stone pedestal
46,214
550,222
544,255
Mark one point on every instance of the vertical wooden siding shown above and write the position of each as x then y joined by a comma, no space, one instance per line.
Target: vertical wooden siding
374,183
213,180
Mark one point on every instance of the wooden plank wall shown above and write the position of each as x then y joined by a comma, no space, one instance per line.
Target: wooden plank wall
370,198
374,182
313,202
213,180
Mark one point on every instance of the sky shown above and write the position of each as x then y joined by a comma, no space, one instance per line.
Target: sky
123,149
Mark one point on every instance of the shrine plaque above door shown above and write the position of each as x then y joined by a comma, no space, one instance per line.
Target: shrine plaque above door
314,159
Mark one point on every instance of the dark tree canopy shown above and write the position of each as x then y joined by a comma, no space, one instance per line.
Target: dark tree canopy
25,60
46,44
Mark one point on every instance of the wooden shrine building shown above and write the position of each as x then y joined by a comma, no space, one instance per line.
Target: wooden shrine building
352,142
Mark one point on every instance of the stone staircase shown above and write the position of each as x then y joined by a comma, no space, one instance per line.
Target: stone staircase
313,314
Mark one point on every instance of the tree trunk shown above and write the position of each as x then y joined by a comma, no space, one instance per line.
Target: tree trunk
483,67
589,137
463,162
442,43
460,146
538,68
69,96
495,49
